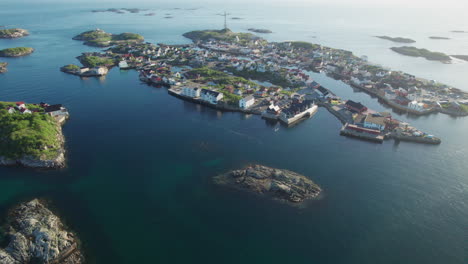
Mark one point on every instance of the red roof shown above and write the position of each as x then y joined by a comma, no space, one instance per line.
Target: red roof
19,103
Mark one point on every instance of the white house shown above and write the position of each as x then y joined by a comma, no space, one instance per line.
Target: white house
20,105
210,96
374,122
123,65
415,105
246,102
191,92
11,110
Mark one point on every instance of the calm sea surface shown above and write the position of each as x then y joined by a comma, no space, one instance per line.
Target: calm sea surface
138,187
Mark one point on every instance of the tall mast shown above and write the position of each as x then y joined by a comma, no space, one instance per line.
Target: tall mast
225,20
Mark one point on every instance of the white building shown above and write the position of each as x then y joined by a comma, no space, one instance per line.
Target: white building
415,105
246,102
99,70
210,96
191,92
123,65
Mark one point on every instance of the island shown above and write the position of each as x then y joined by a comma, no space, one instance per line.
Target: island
31,135
16,52
94,64
13,33
461,57
33,234
459,31
119,10
222,35
150,14
397,39
281,185
258,30
428,55
441,38
100,38
236,18
3,67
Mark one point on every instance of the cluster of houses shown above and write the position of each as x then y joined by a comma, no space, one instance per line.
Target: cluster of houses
56,111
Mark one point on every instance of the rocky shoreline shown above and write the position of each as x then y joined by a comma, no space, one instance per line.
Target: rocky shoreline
38,163
36,235
13,33
281,185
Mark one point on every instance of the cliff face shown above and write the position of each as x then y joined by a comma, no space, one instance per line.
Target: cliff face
282,185
36,235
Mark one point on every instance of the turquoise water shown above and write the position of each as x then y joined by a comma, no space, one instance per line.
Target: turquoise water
137,188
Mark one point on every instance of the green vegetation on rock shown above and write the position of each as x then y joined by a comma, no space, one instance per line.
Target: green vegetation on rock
94,61
304,45
13,33
71,67
16,52
101,38
222,35
34,135
209,75
415,52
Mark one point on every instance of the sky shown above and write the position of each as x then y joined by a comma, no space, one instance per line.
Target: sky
424,4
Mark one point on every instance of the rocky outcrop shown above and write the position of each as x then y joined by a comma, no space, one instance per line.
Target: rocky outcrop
36,235
282,185
13,33
57,162
3,67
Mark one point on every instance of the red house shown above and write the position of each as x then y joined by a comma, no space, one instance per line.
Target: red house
355,107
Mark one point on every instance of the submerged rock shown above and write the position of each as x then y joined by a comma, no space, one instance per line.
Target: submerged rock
36,235
280,184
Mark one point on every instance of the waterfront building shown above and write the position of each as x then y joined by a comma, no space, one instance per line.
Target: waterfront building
56,110
374,121
355,107
192,92
210,96
246,102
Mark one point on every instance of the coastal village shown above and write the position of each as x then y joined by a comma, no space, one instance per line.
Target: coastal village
244,73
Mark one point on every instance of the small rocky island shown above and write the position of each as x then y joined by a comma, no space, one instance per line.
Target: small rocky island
3,67
397,39
282,185
100,38
459,31
259,30
428,55
440,38
13,33
31,135
35,235
461,57
16,52
119,10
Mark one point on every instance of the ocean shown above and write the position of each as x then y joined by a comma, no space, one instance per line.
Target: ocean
137,188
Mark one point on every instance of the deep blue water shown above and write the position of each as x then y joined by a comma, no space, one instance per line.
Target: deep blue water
138,189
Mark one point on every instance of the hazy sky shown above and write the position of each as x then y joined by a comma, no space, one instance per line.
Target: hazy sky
361,3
